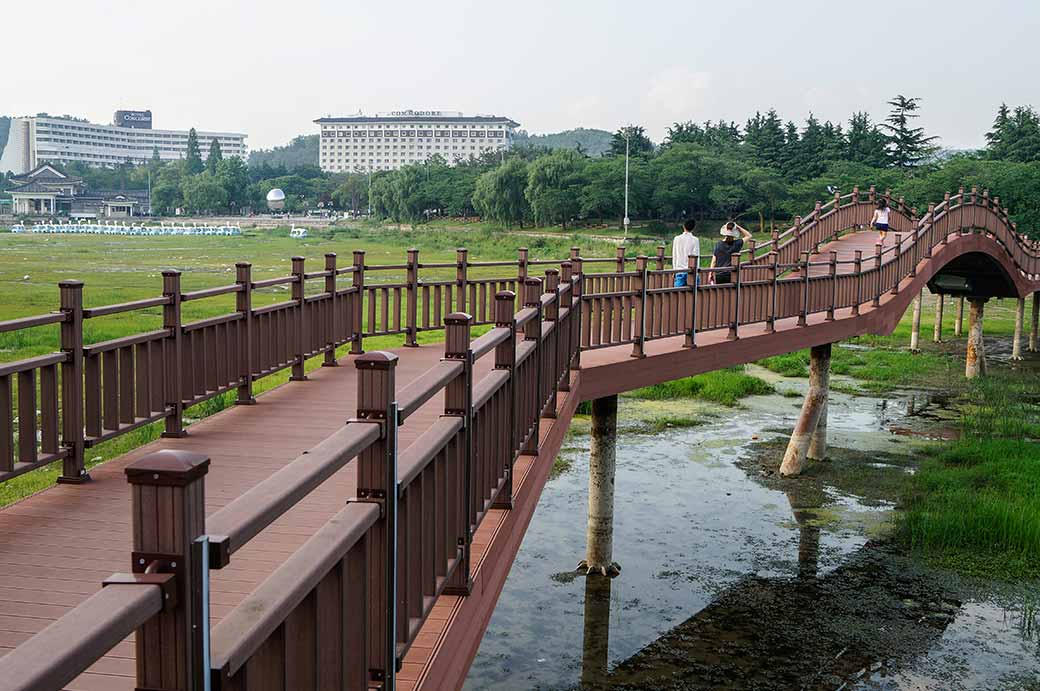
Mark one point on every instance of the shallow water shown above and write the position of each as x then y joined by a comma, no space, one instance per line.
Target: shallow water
725,585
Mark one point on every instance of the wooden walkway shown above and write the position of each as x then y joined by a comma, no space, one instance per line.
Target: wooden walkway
60,544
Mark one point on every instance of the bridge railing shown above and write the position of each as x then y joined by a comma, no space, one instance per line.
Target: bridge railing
635,306
95,389
346,606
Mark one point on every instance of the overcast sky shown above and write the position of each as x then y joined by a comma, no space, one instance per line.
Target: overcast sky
268,68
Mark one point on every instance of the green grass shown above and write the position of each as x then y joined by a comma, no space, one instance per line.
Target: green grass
726,386
879,368
975,504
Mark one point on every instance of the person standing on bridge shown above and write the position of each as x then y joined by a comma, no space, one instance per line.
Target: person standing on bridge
684,246
725,248
880,219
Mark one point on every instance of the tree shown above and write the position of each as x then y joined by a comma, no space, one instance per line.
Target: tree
204,193
638,143
603,194
766,140
352,193
233,176
553,184
499,193
997,138
156,159
1015,135
908,146
214,156
194,157
865,143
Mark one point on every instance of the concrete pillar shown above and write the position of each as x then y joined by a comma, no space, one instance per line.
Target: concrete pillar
958,323
940,300
599,550
975,362
1035,327
812,409
915,328
595,647
1016,341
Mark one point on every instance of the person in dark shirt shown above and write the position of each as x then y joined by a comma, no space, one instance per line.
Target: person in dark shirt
725,248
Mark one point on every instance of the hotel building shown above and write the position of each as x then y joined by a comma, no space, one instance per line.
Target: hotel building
391,140
37,140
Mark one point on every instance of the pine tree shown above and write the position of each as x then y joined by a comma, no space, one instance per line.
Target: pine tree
866,144
194,157
214,157
156,158
907,145
997,138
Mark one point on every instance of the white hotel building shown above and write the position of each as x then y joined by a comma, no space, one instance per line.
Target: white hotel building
390,140
34,141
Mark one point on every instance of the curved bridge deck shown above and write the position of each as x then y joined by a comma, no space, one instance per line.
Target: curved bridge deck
58,545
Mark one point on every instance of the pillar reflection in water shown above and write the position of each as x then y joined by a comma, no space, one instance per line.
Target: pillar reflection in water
808,539
595,657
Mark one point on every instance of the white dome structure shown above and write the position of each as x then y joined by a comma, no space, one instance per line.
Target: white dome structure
276,199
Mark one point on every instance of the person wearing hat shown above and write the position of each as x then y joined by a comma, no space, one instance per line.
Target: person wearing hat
732,242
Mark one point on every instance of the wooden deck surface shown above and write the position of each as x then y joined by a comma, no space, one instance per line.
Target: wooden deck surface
57,546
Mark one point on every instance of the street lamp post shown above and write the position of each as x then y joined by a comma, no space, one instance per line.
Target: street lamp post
628,135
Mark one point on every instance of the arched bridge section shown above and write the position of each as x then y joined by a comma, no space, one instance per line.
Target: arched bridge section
238,558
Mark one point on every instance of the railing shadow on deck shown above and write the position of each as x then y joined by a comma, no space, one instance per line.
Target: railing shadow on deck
346,606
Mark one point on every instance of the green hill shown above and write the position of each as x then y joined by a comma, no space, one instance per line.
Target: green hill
592,142
301,151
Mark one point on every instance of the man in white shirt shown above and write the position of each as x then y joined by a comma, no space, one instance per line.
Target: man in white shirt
684,246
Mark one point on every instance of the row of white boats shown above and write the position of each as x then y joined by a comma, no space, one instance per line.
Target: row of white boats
125,229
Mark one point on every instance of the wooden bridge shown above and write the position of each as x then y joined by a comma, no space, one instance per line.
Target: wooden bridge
354,530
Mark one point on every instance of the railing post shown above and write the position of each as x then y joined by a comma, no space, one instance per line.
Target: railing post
505,359
930,233
803,318
576,263
358,283
413,298
73,469
837,206
693,266
857,268
872,194
619,259
174,363
898,265
458,402
533,332
300,337
521,268
734,328
640,307
377,483
774,240
169,512
552,314
566,342
877,265
660,258
332,325
915,245
244,306
834,285
774,275
461,277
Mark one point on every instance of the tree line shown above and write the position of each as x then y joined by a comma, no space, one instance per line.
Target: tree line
766,169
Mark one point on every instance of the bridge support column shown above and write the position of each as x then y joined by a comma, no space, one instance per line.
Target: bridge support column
1035,326
940,299
1016,341
599,550
975,362
818,441
958,323
915,327
812,410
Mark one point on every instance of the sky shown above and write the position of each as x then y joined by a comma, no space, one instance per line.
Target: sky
269,68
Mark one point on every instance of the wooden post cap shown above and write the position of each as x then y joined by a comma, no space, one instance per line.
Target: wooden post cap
552,272
71,283
329,255
376,359
171,272
243,265
168,467
532,281
456,318
505,295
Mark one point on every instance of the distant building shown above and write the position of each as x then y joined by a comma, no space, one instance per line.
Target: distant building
390,140
36,140
49,191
